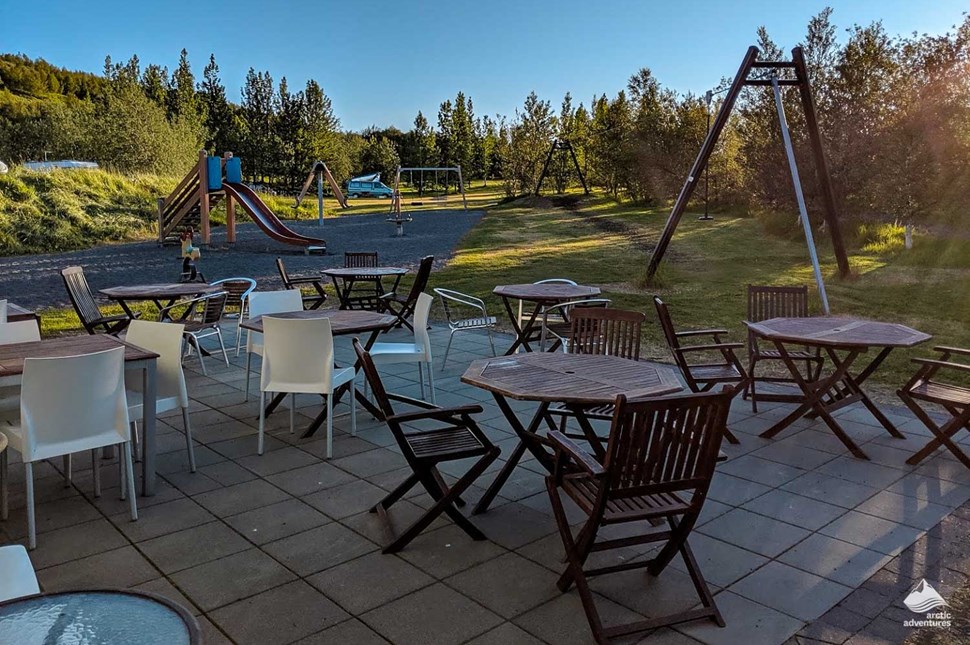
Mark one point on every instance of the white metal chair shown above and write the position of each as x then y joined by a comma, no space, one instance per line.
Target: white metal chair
237,290
17,577
260,304
456,303
523,318
417,352
165,339
21,331
298,359
72,404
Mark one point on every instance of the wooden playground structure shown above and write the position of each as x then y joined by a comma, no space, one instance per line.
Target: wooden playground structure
320,172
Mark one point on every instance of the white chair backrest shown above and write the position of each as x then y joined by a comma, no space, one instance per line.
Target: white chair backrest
556,281
20,331
73,403
17,577
271,302
165,339
297,356
3,311
422,310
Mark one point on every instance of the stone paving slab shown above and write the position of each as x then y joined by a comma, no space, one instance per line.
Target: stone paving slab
798,540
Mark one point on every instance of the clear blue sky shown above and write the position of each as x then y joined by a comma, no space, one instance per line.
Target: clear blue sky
380,61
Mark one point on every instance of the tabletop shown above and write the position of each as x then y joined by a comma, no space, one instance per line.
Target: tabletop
98,616
163,291
835,331
545,292
12,356
586,379
354,272
347,321
16,312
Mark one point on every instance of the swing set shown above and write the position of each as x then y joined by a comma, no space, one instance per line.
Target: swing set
776,75
421,179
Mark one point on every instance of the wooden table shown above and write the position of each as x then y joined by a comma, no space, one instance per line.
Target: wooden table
136,359
542,295
97,616
344,279
578,381
341,323
16,313
162,295
843,340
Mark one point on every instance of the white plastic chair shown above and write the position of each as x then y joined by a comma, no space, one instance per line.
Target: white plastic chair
72,404
417,352
17,577
260,304
165,339
21,331
456,303
298,359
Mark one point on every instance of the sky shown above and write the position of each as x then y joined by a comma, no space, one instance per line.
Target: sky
380,62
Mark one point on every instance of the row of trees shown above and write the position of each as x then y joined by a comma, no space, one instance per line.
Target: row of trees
894,113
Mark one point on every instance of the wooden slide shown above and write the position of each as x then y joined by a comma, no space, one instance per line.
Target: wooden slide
266,220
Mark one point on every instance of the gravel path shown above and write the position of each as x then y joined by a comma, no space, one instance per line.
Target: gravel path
34,280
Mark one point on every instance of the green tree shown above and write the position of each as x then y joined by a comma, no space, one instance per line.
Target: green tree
220,122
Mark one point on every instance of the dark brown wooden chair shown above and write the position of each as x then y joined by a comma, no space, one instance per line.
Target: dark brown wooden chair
704,376
955,399
362,291
659,463
356,260
764,303
311,300
455,436
601,331
402,306
82,298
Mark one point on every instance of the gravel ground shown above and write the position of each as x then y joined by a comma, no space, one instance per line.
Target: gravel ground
34,281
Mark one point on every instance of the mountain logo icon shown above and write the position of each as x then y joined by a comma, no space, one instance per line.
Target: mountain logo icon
923,598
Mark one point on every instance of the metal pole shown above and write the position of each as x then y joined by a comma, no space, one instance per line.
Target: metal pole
320,198
708,97
802,210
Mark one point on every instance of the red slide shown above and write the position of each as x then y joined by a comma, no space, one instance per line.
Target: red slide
266,219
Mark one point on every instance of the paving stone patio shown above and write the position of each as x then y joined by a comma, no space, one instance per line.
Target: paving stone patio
800,541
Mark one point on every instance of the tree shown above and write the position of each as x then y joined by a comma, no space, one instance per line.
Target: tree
530,138
258,110
219,114
182,99
154,83
380,155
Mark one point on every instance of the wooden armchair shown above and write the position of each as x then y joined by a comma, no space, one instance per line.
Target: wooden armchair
367,296
82,298
764,303
402,306
955,399
310,301
703,376
455,436
658,467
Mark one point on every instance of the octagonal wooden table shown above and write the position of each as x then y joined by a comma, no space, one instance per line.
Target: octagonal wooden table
542,294
578,381
344,279
163,295
843,340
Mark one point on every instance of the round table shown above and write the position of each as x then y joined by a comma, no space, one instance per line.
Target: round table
162,294
542,295
98,616
576,380
344,279
843,340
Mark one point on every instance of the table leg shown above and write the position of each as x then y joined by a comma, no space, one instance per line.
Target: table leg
594,440
529,439
521,333
854,386
125,308
149,389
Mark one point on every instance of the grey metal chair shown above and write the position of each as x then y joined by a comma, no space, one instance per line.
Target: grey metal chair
456,304
237,292
201,319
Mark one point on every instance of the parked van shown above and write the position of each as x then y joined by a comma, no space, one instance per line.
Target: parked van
368,186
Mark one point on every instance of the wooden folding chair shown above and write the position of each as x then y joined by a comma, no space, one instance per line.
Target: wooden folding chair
954,399
456,436
659,464
86,307
403,306
702,377
311,300
764,303
365,297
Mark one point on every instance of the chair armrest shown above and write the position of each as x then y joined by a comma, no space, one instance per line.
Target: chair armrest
947,364
952,350
701,332
437,413
580,457
708,348
307,280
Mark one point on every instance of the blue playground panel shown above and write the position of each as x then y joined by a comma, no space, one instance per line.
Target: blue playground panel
233,170
214,172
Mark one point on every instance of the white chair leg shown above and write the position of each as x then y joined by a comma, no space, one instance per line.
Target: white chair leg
4,501
444,361
249,362
135,442
492,344
330,425
431,381
198,348
130,480
96,472
262,420
31,521
188,439
292,411
239,332
421,380
353,410
121,476
222,345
